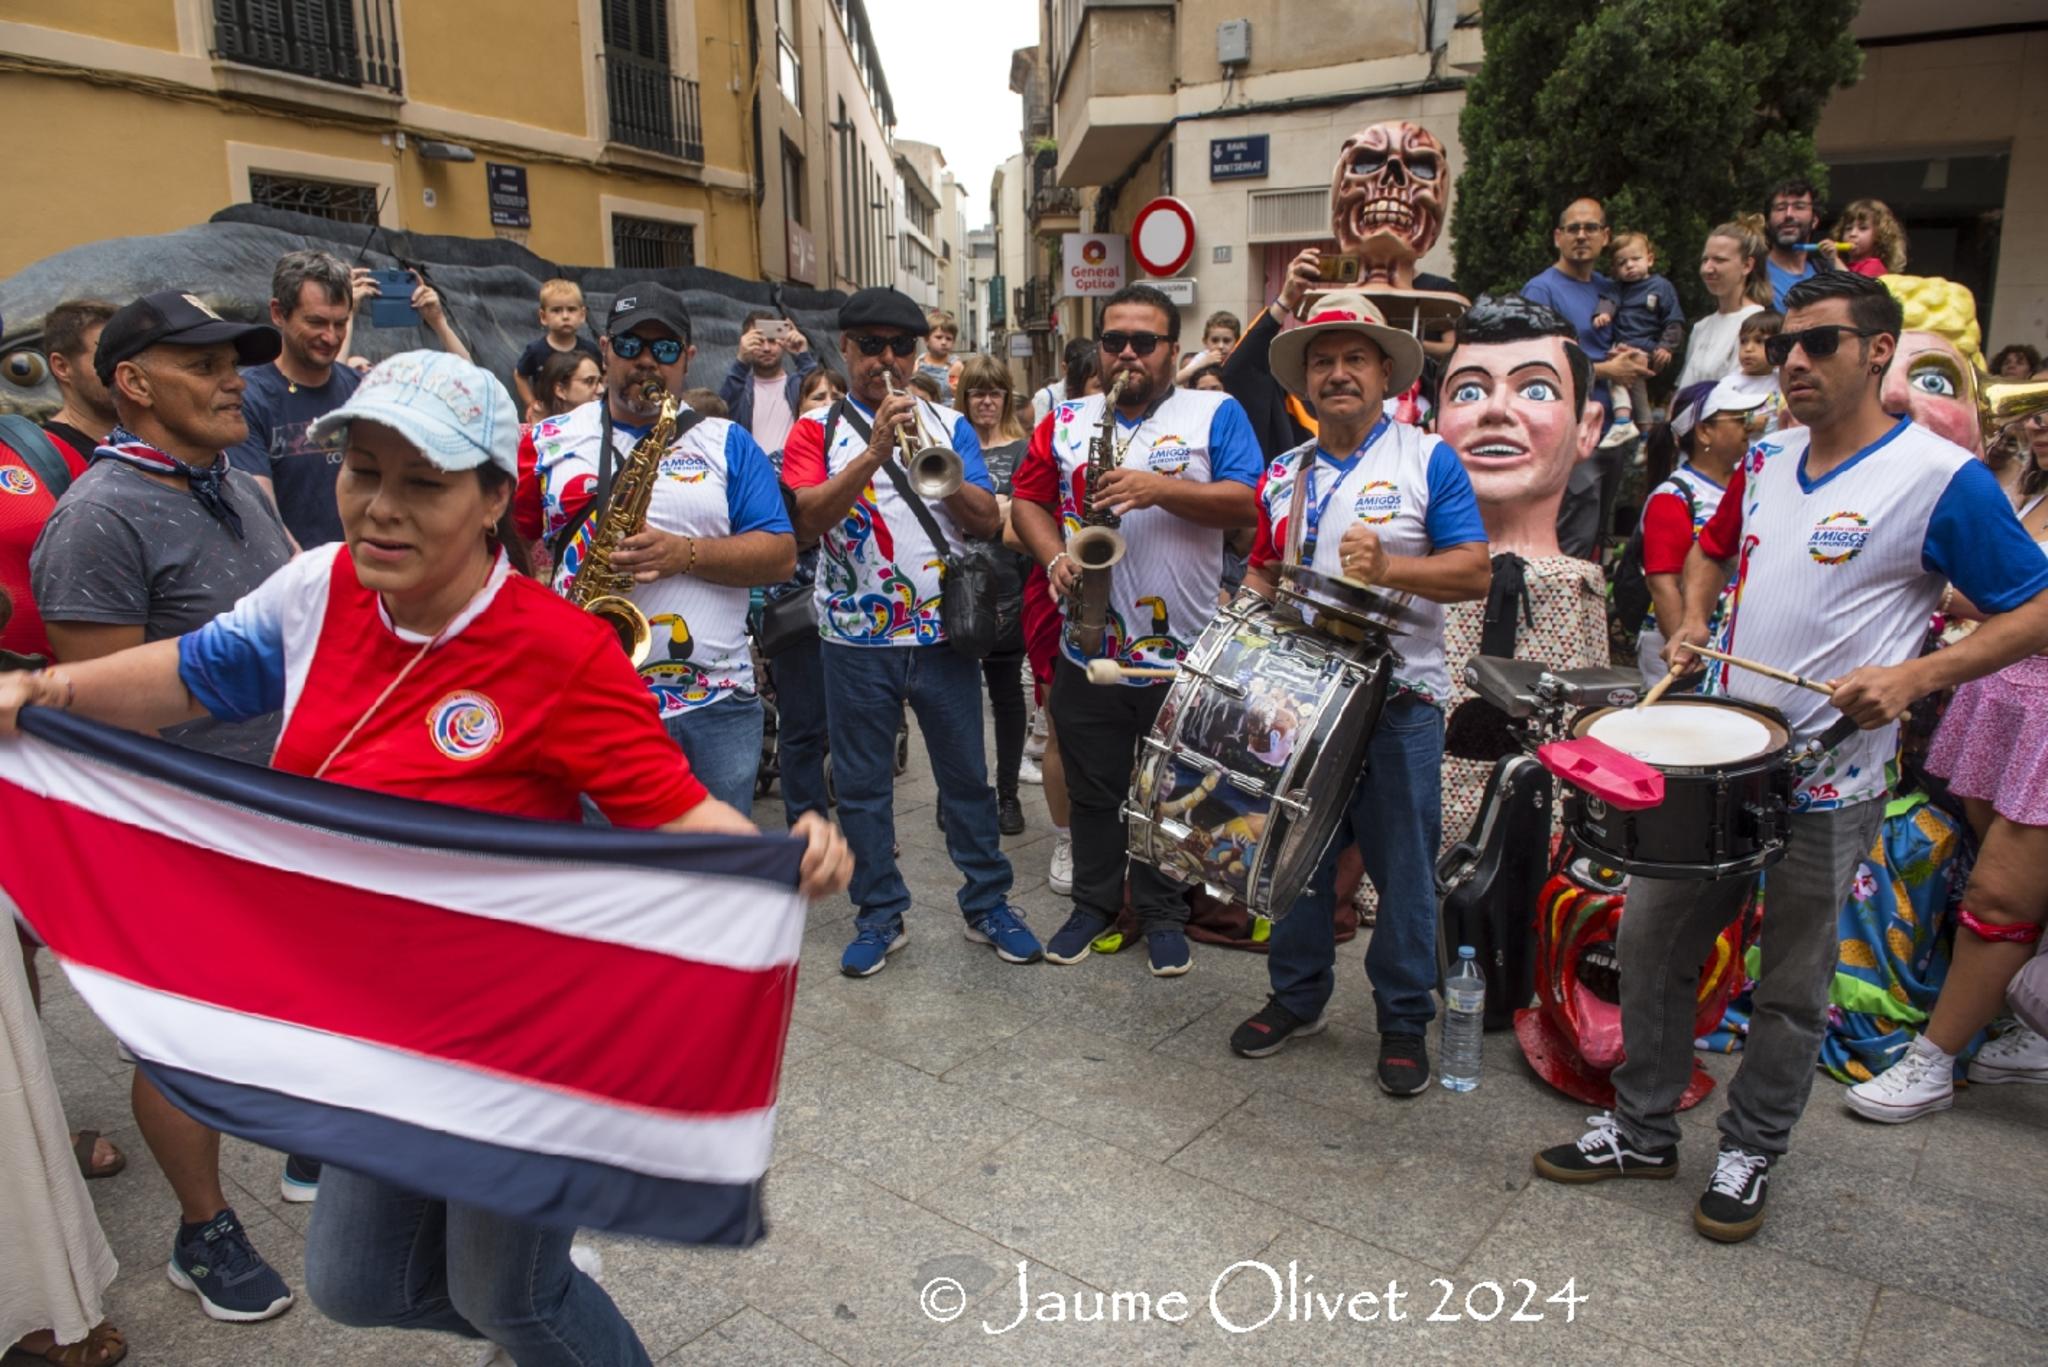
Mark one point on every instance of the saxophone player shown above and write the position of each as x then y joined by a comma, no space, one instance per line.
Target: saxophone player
716,527
1180,472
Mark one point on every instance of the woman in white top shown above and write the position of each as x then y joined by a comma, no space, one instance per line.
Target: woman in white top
1732,269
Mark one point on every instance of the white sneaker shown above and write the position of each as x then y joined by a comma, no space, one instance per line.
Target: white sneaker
1030,771
1621,433
1918,1084
588,1261
2018,1055
1061,876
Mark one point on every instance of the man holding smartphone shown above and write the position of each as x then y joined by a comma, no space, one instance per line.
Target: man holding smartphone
760,394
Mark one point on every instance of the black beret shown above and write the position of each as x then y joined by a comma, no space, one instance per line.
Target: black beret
880,306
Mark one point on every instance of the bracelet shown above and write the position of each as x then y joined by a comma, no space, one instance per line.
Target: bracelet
70,688
693,554
1948,598
1056,560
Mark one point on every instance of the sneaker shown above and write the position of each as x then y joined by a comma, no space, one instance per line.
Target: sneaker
1620,434
588,1261
1034,739
1918,1083
1073,941
1168,950
1274,1025
1404,1065
869,953
1005,930
218,1264
1031,771
1060,878
1732,1207
1603,1151
2018,1055
1010,815
301,1181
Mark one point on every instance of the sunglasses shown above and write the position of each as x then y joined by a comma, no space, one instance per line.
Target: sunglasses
1818,343
667,350
1140,343
871,345
1582,229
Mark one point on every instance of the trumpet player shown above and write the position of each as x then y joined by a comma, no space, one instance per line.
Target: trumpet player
1179,469
716,527
878,596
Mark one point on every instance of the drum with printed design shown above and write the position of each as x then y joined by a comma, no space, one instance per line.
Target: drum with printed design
1250,763
1727,788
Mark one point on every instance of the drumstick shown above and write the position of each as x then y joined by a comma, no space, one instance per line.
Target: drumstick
1659,689
1109,672
1768,671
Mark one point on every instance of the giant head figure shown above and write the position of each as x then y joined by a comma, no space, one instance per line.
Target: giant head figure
1387,200
1939,366
1515,406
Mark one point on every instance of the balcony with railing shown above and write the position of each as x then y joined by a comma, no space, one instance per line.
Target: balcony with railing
1113,80
1052,207
352,43
650,107
1034,304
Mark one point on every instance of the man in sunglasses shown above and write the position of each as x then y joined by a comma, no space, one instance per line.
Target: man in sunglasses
716,527
1841,535
878,590
1186,466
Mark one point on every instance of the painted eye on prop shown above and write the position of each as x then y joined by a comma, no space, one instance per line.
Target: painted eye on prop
24,368
1422,165
1538,391
1470,391
1933,379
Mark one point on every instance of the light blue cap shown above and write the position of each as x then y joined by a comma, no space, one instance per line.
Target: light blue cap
455,412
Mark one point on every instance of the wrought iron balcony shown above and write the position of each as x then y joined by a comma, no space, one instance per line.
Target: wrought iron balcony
347,42
1034,303
652,108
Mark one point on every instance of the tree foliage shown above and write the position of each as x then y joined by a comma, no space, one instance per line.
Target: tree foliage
1676,114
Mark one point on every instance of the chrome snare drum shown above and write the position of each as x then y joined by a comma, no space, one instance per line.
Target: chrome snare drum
1727,789
1250,763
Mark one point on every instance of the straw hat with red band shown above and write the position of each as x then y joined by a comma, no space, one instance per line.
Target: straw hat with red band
1345,312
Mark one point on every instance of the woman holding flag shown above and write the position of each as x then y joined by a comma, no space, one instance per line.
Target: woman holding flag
413,659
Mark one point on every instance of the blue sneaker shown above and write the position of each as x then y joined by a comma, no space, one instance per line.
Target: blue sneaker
1014,943
1168,950
869,953
1076,938
218,1264
301,1181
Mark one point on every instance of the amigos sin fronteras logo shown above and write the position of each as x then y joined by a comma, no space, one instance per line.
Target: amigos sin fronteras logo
1838,537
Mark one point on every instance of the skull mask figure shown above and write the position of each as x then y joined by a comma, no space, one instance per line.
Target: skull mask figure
1387,199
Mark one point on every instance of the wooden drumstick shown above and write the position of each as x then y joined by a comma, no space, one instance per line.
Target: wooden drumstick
1110,672
1659,689
1768,671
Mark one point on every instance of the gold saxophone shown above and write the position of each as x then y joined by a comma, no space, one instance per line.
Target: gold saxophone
2002,405
1097,545
598,589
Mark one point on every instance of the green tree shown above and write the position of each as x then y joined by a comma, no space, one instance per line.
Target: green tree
1677,114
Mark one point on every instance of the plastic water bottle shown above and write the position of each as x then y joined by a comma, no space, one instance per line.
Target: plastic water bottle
1464,1011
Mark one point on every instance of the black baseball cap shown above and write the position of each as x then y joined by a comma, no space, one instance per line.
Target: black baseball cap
880,306
180,319
647,302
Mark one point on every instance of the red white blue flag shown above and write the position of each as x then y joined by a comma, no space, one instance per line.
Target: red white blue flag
576,1026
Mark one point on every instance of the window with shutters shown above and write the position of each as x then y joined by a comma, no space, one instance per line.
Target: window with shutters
348,42
652,244
647,104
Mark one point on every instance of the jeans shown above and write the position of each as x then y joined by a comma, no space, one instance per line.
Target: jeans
800,728
381,1258
865,690
1099,728
1585,517
1665,935
722,741
1004,675
1396,818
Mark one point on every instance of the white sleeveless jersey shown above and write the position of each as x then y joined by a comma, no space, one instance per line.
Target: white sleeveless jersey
1163,592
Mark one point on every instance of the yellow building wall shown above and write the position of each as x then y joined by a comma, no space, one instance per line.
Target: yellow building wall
530,69
145,23
173,171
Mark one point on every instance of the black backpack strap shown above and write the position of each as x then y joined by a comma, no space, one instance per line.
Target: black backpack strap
895,473
38,451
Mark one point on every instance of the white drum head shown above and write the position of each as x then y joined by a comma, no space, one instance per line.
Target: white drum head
1683,734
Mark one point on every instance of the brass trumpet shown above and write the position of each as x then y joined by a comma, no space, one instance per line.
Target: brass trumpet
2001,406
935,471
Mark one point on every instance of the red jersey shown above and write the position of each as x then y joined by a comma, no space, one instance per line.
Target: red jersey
25,504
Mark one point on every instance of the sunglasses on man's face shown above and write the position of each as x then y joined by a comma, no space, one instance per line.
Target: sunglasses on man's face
871,345
667,350
1582,229
1140,343
1818,343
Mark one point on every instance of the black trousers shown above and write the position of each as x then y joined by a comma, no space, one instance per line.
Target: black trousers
1099,728
1004,676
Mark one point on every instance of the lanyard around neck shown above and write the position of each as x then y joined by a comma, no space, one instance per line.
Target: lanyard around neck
1309,521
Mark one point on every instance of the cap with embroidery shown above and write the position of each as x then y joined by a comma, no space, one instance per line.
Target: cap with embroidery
456,414
178,319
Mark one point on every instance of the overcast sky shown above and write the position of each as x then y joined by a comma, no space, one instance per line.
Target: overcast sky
949,73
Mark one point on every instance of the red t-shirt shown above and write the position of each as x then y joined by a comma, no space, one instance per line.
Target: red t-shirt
1722,536
527,512
1667,534
25,504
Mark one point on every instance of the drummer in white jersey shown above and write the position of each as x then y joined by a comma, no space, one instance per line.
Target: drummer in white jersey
885,641
1841,535
1187,461
1388,505
715,528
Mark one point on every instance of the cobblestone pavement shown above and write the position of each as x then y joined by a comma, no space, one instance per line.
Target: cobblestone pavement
955,1117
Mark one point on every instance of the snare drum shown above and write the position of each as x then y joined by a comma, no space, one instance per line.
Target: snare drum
1727,789
1250,763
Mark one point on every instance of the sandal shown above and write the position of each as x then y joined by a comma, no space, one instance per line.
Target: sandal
84,1144
103,1347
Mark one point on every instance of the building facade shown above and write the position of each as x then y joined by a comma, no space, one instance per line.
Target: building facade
596,132
918,166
